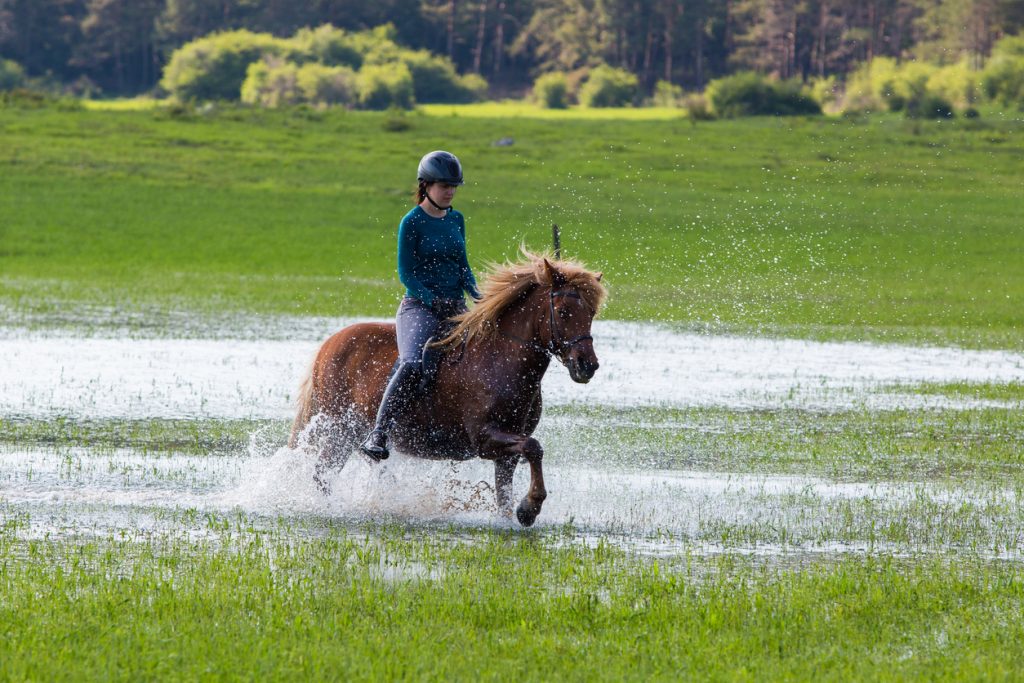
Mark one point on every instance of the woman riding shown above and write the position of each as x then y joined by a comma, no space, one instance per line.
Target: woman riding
432,265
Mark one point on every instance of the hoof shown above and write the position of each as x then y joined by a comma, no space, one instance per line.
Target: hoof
526,514
375,455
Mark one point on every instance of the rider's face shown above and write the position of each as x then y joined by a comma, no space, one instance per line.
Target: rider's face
441,193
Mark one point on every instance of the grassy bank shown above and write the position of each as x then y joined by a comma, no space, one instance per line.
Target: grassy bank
243,603
883,228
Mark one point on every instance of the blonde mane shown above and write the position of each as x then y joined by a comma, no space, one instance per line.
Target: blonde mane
509,283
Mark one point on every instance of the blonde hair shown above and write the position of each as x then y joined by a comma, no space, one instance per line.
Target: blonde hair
509,283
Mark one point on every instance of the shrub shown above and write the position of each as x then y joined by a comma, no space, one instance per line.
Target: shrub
883,82
697,108
83,87
551,90
271,84
22,98
911,83
609,87
214,67
750,94
382,86
956,83
667,94
320,84
379,41
1003,78
474,87
396,121
1009,46
824,91
11,75
870,84
928,106
434,78
329,45
1003,81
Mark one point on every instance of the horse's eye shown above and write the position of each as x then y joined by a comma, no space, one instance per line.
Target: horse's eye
564,313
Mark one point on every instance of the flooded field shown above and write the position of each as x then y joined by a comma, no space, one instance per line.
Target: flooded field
662,455
706,494
659,513
642,365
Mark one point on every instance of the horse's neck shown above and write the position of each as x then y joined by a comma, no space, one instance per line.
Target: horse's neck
518,345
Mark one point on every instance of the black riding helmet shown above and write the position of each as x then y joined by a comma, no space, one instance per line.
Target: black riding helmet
440,167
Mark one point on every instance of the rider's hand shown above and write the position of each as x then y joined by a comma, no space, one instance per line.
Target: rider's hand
445,307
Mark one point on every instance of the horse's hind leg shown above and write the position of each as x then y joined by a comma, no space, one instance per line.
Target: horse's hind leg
504,469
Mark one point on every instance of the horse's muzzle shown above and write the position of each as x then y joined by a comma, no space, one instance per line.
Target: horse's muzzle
582,369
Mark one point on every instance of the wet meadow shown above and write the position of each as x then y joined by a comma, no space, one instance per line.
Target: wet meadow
802,457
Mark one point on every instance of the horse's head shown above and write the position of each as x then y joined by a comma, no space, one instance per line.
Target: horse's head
570,316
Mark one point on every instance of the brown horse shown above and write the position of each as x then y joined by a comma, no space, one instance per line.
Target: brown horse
485,401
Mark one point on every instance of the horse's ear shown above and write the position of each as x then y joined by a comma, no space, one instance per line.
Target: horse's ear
598,276
557,279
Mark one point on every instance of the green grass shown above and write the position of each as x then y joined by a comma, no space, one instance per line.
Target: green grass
503,109
879,229
858,445
143,436
820,228
982,391
985,444
522,109
124,104
244,603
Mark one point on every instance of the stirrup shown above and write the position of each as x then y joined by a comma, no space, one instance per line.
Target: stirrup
375,445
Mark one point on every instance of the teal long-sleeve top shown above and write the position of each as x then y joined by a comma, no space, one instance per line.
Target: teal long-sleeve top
432,259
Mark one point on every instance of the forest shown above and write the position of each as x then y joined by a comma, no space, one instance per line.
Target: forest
121,47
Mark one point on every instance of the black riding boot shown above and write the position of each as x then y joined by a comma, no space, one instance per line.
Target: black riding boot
396,398
431,360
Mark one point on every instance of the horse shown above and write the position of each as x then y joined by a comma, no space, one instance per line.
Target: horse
485,398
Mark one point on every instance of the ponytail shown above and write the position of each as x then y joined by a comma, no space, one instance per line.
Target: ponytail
421,192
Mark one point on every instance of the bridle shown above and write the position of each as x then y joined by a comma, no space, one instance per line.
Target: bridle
556,346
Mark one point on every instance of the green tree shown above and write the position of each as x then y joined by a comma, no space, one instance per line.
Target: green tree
949,30
769,39
567,34
118,47
185,20
41,34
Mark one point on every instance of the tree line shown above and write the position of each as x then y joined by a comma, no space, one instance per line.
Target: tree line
121,47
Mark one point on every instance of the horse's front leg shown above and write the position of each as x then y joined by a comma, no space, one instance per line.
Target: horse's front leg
503,447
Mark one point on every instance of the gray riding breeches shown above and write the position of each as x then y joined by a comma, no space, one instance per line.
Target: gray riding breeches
416,323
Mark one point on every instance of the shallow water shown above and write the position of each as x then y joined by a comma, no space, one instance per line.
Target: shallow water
651,512
73,492
48,374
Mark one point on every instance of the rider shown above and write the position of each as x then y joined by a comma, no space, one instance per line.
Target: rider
432,265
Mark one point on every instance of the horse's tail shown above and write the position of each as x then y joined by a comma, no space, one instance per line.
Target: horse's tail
307,407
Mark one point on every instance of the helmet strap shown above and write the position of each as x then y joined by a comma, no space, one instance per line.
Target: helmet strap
436,205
